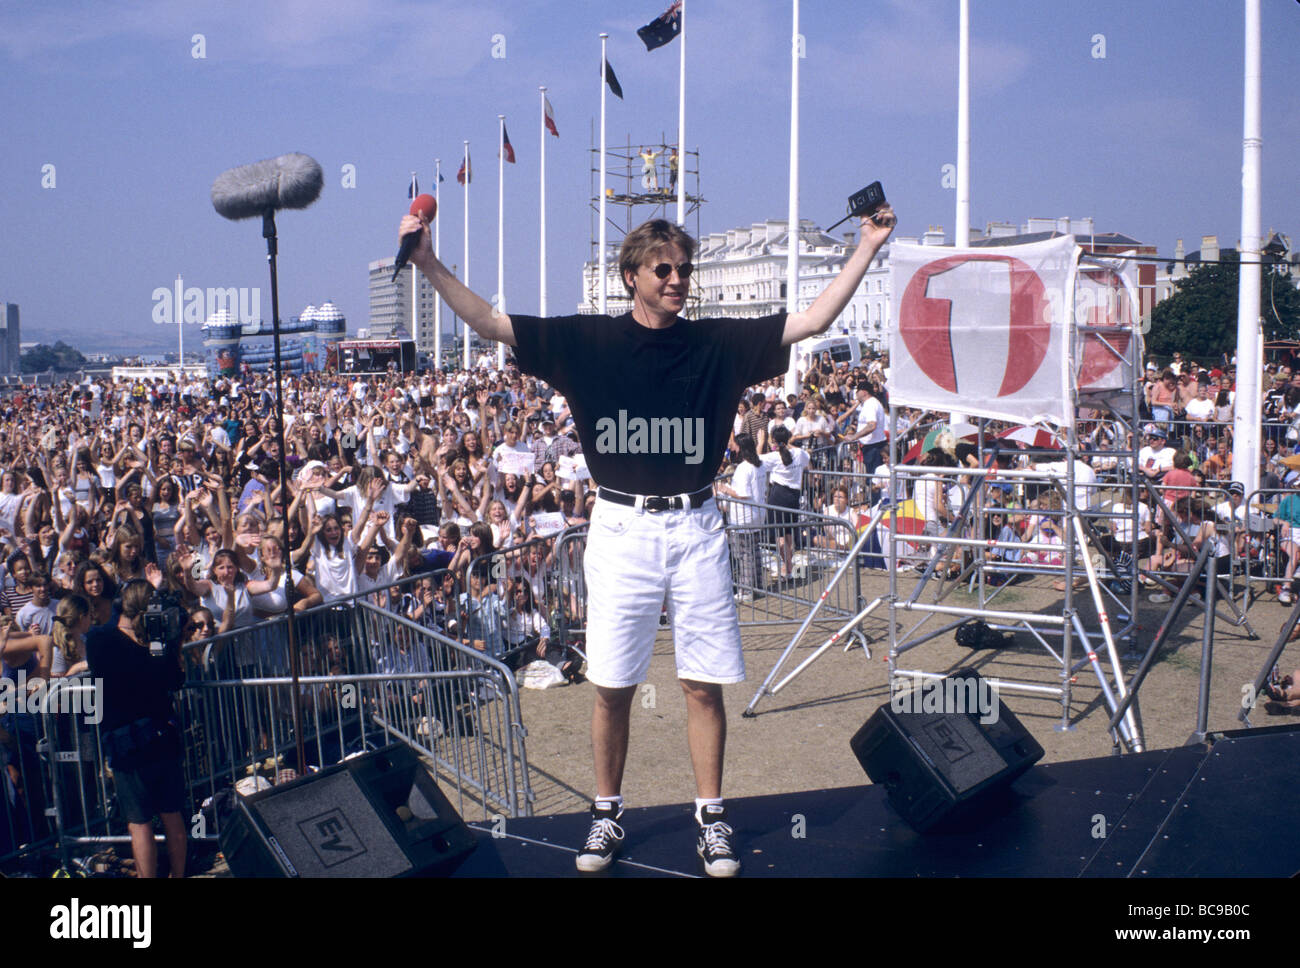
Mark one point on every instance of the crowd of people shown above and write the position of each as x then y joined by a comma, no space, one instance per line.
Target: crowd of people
455,483
391,475
1184,450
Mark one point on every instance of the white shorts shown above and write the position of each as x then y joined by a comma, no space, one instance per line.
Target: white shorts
637,561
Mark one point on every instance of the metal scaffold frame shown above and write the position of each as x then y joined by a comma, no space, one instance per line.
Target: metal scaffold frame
625,193
1076,530
1104,569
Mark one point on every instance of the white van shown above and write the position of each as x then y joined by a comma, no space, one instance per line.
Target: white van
843,349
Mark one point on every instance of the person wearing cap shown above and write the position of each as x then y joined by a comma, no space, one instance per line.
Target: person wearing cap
550,446
1244,525
1156,457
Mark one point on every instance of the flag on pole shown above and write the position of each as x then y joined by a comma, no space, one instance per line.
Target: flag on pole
550,116
414,188
615,87
663,29
463,176
506,145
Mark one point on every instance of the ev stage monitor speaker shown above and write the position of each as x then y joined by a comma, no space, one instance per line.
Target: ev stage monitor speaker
944,750
377,815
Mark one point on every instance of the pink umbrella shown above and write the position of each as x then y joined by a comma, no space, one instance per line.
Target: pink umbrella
960,431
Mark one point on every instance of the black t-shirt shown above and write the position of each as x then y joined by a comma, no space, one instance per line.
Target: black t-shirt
653,407
134,683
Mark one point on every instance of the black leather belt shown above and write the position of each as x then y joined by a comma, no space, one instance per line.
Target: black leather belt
654,502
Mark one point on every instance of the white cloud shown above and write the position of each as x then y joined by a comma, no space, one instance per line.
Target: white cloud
388,44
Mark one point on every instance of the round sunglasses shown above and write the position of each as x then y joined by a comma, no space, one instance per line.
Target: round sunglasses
664,269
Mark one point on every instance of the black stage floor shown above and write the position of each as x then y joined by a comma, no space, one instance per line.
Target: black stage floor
1225,809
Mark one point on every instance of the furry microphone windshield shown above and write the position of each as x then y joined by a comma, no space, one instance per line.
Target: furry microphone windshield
289,181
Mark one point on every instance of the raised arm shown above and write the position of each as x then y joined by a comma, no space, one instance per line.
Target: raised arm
478,314
817,318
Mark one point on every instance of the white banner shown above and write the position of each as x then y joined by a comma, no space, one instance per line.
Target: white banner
573,468
548,523
982,331
519,463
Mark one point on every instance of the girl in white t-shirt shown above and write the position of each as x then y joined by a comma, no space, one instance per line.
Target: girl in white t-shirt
333,554
786,466
749,484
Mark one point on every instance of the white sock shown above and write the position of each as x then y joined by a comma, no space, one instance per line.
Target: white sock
702,802
616,801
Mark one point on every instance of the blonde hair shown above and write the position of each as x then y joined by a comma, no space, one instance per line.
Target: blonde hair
70,611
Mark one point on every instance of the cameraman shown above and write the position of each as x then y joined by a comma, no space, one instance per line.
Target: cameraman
141,735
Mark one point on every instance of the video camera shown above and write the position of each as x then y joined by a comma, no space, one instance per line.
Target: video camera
164,622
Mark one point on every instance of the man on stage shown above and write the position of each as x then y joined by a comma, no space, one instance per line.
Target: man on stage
653,396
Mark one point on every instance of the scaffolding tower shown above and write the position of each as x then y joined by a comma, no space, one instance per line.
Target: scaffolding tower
641,182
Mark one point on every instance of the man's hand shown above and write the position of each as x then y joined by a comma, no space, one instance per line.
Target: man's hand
875,229
817,318
481,316
424,248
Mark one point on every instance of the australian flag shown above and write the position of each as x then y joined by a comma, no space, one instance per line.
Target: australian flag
663,28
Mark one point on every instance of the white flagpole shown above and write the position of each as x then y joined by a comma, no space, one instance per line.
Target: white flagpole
792,234
961,236
501,231
541,195
437,300
465,362
1246,429
681,119
415,285
602,299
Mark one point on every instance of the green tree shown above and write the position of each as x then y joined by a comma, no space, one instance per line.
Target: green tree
41,358
1200,319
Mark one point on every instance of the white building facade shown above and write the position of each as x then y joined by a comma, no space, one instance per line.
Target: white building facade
742,272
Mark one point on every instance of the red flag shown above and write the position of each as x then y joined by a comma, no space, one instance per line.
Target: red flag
506,145
463,176
550,116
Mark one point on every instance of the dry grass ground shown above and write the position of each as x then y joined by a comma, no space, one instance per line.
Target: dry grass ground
800,738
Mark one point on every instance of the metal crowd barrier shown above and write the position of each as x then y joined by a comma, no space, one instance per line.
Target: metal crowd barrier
26,809
1261,554
369,676
768,592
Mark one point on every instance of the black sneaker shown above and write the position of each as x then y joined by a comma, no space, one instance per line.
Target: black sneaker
604,840
713,842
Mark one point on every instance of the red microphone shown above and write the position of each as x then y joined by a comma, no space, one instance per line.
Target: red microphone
426,206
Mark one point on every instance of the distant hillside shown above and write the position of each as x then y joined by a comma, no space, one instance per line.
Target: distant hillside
99,340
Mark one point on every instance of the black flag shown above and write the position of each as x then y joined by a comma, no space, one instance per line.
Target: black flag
612,81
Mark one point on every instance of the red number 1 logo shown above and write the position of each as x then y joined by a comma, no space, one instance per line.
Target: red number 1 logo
952,292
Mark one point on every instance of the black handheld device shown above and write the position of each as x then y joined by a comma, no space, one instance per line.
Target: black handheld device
865,201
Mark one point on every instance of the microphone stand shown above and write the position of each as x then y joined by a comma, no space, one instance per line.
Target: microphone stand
295,669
